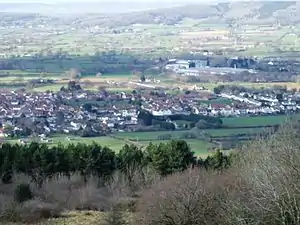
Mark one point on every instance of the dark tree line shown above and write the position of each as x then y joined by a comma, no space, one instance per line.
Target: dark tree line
101,62
40,161
148,119
115,62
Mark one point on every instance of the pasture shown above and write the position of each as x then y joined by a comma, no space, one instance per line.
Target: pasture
154,135
201,147
162,39
255,121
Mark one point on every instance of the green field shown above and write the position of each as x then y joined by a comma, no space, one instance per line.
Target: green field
112,143
255,121
199,147
153,135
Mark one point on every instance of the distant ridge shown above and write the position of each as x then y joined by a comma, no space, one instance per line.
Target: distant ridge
133,12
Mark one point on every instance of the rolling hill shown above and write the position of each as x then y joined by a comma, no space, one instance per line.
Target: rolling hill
254,12
120,13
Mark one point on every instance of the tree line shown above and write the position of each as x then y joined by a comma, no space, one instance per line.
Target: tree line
113,62
40,161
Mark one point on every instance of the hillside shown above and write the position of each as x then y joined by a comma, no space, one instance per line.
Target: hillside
133,12
249,28
241,12
80,7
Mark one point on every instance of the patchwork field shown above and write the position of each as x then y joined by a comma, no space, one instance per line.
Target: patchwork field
255,121
200,147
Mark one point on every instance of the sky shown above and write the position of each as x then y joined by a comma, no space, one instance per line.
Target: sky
98,1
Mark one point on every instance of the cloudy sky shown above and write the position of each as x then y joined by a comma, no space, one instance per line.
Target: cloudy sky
99,1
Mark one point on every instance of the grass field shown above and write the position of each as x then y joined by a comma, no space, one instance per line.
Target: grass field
177,134
200,147
256,121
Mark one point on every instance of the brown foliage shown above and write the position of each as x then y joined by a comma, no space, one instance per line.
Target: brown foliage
75,194
267,180
262,187
36,209
55,196
189,198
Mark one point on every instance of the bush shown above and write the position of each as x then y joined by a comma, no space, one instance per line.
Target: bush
8,209
115,217
165,137
192,198
35,210
188,135
23,193
74,193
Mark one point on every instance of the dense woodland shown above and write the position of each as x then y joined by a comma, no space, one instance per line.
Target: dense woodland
40,161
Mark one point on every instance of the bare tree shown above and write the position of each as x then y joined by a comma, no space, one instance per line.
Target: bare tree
190,198
266,188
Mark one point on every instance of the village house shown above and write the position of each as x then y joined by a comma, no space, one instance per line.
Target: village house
73,112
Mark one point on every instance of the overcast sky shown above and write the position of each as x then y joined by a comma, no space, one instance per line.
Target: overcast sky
99,1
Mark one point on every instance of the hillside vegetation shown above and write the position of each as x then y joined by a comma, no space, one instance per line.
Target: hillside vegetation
248,28
258,185
120,14
243,12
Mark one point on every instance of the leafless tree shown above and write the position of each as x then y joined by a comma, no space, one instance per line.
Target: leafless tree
189,198
266,188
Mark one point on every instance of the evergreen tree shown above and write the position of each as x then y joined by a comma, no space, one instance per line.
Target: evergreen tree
8,163
142,77
63,160
102,161
130,159
174,156
217,161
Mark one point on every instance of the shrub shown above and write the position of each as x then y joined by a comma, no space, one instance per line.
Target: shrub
115,217
91,198
22,193
165,137
35,210
192,197
74,193
7,177
8,209
188,135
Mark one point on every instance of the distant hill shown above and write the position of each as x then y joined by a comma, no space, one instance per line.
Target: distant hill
285,12
81,7
169,12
